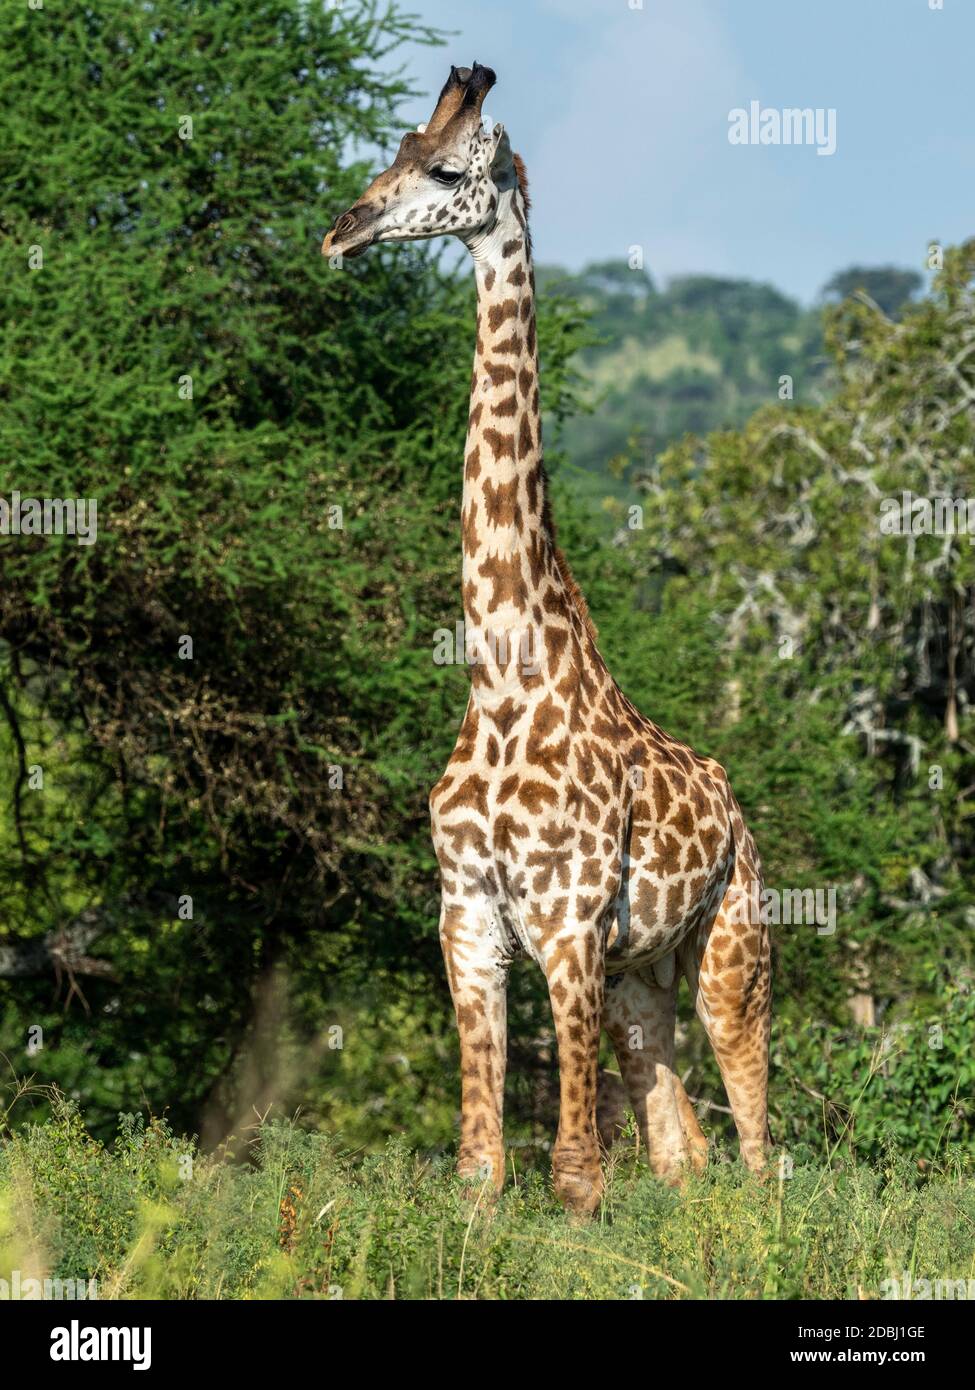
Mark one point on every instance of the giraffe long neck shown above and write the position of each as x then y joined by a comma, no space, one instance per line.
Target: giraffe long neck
514,577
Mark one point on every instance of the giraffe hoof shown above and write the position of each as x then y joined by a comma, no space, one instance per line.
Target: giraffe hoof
482,1181
671,1177
698,1157
676,1172
579,1194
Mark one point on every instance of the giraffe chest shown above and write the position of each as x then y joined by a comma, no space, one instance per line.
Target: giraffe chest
518,828
533,828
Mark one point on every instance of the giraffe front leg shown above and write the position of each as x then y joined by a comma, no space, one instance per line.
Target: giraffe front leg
477,972
572,958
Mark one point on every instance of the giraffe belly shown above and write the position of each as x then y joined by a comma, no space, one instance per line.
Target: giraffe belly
642,944
654,913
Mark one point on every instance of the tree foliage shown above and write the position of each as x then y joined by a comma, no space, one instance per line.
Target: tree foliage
273,444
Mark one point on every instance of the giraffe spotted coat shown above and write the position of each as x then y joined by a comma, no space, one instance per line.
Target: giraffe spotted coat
567,826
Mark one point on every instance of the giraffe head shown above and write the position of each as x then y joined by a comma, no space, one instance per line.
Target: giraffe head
446,178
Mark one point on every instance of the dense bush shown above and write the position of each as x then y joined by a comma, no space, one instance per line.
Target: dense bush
303,1220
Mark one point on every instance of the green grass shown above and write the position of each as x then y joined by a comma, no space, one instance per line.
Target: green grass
290,1215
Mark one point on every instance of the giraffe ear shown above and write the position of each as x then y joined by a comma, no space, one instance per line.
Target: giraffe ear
501,157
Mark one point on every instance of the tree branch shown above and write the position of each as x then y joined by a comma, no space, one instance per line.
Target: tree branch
62,950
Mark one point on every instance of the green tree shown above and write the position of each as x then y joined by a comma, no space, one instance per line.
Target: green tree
840,653
890,287
230,696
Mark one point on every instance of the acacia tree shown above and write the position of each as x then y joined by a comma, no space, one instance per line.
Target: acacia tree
229,699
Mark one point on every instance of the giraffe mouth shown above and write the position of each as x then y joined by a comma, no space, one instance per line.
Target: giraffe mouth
332,246
348,227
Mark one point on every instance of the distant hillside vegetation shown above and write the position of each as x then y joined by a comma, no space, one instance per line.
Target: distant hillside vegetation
701,354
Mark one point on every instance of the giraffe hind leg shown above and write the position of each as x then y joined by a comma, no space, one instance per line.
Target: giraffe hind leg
639,1016
694,1136
730,977
611,1099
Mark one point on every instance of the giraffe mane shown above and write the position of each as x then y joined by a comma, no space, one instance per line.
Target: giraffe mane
576,597
522,174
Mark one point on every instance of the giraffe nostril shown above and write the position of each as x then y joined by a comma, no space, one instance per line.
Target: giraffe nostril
345,223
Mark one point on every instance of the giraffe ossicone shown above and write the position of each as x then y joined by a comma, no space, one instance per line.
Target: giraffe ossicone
567,826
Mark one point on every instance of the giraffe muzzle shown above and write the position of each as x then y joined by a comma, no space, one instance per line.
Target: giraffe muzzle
344,230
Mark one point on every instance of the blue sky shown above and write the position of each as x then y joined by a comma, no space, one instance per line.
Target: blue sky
621,115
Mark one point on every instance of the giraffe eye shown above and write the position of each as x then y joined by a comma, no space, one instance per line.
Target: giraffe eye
448,177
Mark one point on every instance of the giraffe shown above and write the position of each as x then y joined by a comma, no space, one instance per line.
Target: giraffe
567,826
